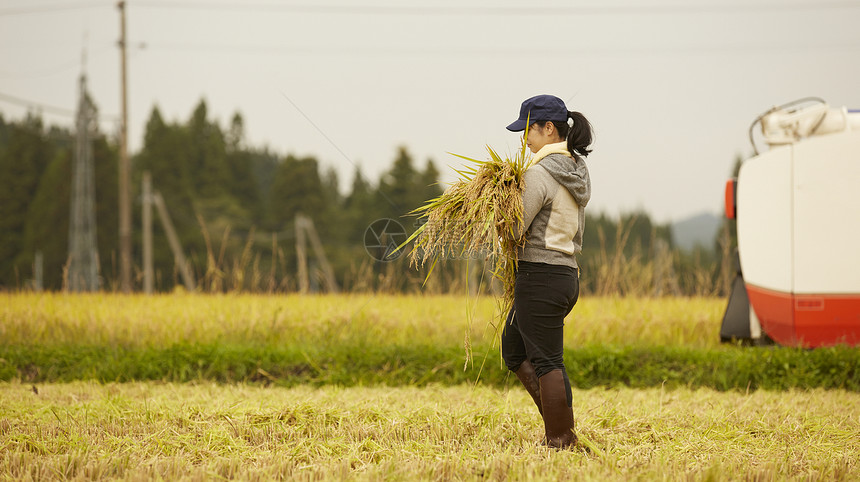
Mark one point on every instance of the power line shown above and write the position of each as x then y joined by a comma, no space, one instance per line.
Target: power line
64,7
49,108
45,107
50,71
459,51
47,72
501,11
447,11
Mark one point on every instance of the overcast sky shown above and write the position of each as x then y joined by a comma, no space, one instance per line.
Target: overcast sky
671,86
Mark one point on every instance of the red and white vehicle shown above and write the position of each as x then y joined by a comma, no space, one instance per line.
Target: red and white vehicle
797,208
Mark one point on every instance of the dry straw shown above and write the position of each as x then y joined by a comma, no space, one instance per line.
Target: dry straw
478,217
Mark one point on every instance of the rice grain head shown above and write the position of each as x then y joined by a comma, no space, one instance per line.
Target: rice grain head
479,216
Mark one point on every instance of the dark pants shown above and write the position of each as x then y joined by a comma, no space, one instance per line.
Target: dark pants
543,295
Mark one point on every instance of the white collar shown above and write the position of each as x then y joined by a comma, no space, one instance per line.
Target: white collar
556,148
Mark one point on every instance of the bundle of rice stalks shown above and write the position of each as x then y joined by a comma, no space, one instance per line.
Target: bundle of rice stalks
478,217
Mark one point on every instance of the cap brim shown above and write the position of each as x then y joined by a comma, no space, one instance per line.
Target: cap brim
517,126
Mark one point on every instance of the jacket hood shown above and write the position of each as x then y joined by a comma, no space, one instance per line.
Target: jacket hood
570,172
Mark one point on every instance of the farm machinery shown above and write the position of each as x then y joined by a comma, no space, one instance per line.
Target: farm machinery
797,209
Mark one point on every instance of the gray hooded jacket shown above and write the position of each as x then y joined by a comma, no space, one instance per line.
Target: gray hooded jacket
556,191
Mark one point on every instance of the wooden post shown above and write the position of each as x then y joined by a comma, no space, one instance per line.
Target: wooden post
301,254
305,229
328,272
148,276
38,271
179,258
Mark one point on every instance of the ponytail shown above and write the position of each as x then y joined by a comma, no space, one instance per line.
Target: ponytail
580,134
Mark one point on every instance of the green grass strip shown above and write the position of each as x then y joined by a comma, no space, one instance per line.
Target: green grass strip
723,368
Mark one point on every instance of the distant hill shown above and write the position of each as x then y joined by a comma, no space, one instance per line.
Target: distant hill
700,229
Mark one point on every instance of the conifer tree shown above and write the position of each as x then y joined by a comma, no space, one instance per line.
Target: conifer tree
24,158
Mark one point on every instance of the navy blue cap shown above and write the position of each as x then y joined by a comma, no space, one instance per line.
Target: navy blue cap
539,108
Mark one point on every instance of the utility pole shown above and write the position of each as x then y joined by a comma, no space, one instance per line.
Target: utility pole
124,171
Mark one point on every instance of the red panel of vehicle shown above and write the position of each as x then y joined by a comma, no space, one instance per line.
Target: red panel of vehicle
807,320
824,320
731,208
775,311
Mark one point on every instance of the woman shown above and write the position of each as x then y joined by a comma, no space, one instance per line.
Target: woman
556,190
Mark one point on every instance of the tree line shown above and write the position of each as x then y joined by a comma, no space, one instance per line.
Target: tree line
234,208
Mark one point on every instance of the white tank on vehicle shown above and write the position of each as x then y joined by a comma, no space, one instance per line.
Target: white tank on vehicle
798,221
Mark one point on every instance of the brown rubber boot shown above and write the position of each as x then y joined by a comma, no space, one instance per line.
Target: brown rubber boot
557,415
528,377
